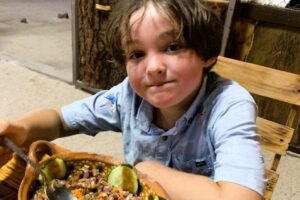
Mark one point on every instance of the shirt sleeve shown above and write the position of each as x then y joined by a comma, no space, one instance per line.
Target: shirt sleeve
99,112
238,155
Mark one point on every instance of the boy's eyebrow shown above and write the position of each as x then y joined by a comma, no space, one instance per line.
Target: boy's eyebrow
174,33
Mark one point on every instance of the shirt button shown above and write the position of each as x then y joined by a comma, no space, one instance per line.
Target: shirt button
164,138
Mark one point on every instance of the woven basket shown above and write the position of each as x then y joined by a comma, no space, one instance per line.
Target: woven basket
11,175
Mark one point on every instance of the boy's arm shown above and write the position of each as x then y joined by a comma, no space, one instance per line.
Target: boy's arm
43,124
181,185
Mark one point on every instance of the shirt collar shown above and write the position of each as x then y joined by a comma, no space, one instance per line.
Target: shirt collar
196,106
144,115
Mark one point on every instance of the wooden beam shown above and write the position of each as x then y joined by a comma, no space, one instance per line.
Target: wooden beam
283,86
294,148
266,13
227,26
75,43
217,1
80,85
103,7
271,14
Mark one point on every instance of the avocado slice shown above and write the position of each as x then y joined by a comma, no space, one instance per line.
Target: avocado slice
125,177
154,197
159,198
53,168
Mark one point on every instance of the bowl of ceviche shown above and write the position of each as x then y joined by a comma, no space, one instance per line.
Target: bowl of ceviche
86,175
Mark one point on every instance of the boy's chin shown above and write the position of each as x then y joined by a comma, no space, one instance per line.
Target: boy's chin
161,103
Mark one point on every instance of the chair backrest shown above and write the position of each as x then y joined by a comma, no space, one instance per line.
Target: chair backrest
271,83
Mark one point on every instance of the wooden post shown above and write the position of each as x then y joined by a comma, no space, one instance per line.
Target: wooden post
93,66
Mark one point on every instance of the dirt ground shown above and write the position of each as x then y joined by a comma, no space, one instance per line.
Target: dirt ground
44,39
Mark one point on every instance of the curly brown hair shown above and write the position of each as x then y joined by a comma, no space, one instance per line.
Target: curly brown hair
200,27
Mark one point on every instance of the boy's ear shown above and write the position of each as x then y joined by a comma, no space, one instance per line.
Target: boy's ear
210,62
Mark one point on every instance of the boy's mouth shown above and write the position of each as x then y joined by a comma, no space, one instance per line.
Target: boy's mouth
160,83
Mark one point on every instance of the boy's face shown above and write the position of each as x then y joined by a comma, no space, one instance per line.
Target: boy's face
159,66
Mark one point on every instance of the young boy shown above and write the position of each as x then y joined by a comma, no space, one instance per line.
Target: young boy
183,126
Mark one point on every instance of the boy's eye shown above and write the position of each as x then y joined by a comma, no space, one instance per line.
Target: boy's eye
173,47
136,55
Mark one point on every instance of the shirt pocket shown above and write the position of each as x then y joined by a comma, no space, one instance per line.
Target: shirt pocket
202,166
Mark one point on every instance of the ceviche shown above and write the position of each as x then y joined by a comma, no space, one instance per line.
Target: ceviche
94,180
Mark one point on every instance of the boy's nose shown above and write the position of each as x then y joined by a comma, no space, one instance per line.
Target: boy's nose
155,65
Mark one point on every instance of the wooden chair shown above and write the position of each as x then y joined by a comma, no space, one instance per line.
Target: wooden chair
271,83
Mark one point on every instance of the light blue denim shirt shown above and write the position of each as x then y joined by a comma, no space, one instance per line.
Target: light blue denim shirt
216,137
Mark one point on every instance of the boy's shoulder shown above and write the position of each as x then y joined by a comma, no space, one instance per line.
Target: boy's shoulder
220,87
123,88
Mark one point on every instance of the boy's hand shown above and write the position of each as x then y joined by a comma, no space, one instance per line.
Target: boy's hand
146,169
16,132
